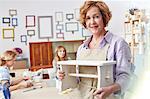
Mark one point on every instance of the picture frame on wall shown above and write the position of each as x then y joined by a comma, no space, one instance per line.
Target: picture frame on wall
12,12
6,20
72,27
8,33
60,35
14,22
31,33
59,26
59,16
30,21
69,16
23,39
45,27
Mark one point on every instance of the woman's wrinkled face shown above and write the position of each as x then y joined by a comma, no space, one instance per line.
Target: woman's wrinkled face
61,53
94,20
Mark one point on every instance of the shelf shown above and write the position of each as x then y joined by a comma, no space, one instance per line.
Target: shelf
87,63
84,75
132,21
71,52
101,71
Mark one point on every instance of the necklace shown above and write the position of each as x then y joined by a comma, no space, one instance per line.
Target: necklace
95,43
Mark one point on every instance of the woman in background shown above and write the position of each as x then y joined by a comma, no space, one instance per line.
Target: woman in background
8,84
60,55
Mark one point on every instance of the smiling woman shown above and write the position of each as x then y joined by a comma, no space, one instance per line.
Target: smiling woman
60,55
103,46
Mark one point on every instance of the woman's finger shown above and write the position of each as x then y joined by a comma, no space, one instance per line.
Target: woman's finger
99,91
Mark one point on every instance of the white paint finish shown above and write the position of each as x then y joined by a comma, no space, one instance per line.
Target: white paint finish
83,75
72,72
87,62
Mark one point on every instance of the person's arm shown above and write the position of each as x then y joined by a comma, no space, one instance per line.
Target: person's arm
22,84
17,83
14,87
123,66
122,72
17,80
59,74
54,62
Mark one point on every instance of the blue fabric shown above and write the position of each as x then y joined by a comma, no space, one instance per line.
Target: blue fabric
6,91
5,76
4,73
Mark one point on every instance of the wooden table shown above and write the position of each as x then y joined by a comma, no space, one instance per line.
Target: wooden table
41,93
46,92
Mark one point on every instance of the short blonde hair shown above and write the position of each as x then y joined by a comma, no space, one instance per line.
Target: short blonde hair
103,8
7,56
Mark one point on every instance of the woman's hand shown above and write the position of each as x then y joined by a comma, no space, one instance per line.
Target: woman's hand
103,93
21,84
25,84
60,75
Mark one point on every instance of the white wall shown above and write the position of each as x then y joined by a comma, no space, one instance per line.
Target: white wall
48,8
32,7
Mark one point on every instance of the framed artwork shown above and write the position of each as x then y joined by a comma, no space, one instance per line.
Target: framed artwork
24,38
12,12
45,27
14,22
30,21
59,16
60,35
59,27
8,33
31,33
86,33
69,16
6,20
72,27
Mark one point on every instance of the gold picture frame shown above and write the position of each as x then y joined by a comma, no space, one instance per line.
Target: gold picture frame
8,33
